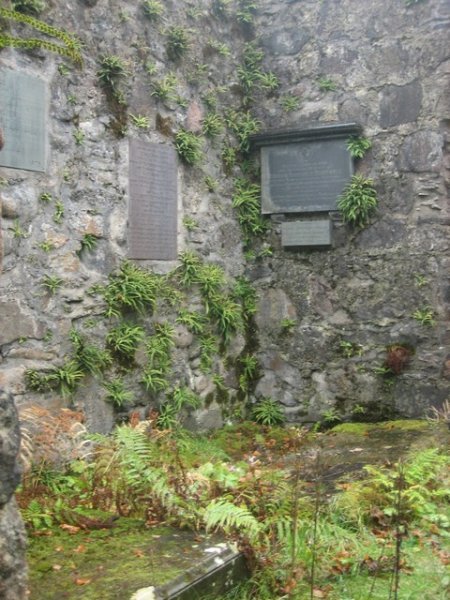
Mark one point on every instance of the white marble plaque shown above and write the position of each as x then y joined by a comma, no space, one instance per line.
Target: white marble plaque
23,119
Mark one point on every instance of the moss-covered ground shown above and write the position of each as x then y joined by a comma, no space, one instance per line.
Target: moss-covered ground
246,464
109,563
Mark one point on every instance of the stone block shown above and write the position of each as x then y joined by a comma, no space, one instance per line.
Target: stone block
274,306
15,322
422,152
400,104
13,585
9,447
194,117
286,41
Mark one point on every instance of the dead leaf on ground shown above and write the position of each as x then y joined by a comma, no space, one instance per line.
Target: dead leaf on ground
81,581
71,529
138,552
56,567
79,549
45,533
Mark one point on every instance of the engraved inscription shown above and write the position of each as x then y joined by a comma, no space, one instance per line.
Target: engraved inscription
315,232
23,110
304,177
152,219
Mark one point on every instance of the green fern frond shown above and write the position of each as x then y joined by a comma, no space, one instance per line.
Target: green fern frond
223,514
72,45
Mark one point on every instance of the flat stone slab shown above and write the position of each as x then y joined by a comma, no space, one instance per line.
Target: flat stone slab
221,568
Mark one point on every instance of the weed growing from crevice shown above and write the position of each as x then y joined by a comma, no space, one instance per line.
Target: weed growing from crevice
111,74
358,201
178,42
52,283
268,412
358,146
247,202
189,147
153,9
29,7
117,394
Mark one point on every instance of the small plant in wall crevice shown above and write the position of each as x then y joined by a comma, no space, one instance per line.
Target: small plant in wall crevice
112,71
88,242
153,9
358,201
178,42
424,316
52,283
267,412
28,7
116,394
358,146
189,147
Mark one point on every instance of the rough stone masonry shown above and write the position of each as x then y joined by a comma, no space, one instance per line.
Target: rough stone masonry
12,533
388,65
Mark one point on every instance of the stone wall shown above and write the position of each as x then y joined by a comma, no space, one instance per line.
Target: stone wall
389,63
12,534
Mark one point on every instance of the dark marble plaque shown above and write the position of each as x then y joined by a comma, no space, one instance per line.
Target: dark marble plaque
312,232
152,218
305,170
304,177
23,117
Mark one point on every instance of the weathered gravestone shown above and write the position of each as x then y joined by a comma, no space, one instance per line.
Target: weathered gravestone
23,117
152,215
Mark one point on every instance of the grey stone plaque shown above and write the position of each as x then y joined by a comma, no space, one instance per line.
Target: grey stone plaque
23,117
152,215
314,232
305,170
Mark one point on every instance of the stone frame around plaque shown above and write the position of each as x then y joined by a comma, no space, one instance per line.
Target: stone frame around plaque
305,170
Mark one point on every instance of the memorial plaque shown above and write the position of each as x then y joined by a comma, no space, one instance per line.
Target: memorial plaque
314,232
23,117
152,215
305,170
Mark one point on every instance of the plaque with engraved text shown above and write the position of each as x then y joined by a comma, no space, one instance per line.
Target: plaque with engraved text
152,215
306,170
309,233
23,117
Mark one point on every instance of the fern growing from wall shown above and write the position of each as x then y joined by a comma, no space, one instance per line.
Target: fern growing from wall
71,47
